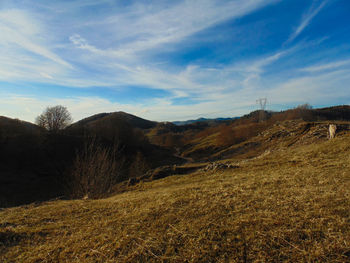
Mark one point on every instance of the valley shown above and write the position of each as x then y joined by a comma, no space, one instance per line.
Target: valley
279,195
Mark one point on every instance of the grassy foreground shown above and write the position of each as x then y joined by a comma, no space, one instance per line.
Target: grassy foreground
291,205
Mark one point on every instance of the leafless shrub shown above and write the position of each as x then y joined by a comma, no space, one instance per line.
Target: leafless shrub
95,170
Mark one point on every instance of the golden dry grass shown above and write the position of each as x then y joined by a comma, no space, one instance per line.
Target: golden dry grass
292,205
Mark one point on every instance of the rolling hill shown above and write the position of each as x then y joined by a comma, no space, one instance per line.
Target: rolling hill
114,117
34,163
283,197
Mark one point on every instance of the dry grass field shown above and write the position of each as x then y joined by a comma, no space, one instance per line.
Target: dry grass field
291,204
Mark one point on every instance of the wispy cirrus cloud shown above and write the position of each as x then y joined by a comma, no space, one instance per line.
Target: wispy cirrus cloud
128,33
144,27
315,8
327,66
20,29
195,55
188,18
81,43
319,89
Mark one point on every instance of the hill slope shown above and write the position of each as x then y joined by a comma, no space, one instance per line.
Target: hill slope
288,205
33,161
114,117
35,165
234,138
11,127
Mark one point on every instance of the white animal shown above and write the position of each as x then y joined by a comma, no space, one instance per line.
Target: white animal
332,130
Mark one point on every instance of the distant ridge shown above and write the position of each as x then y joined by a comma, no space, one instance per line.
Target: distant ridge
209,121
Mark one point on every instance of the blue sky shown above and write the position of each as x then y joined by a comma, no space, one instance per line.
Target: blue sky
172,60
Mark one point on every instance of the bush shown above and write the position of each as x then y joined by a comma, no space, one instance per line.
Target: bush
95,171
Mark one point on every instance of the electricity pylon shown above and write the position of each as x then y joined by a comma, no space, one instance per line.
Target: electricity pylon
262,102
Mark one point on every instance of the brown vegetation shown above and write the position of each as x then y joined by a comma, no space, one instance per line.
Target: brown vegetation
95,171
232,135
139,166
33,161
291,205
286,200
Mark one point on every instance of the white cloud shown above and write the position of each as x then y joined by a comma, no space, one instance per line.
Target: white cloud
258,65
24,67
81,43
307,18
150,26
320,89
160,109
45,75
144,27
20,29
112,55
115,49
327,66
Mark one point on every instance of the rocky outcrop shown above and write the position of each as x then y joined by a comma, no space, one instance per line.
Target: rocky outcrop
218,166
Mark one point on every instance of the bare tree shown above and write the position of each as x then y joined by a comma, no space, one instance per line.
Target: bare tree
54,118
